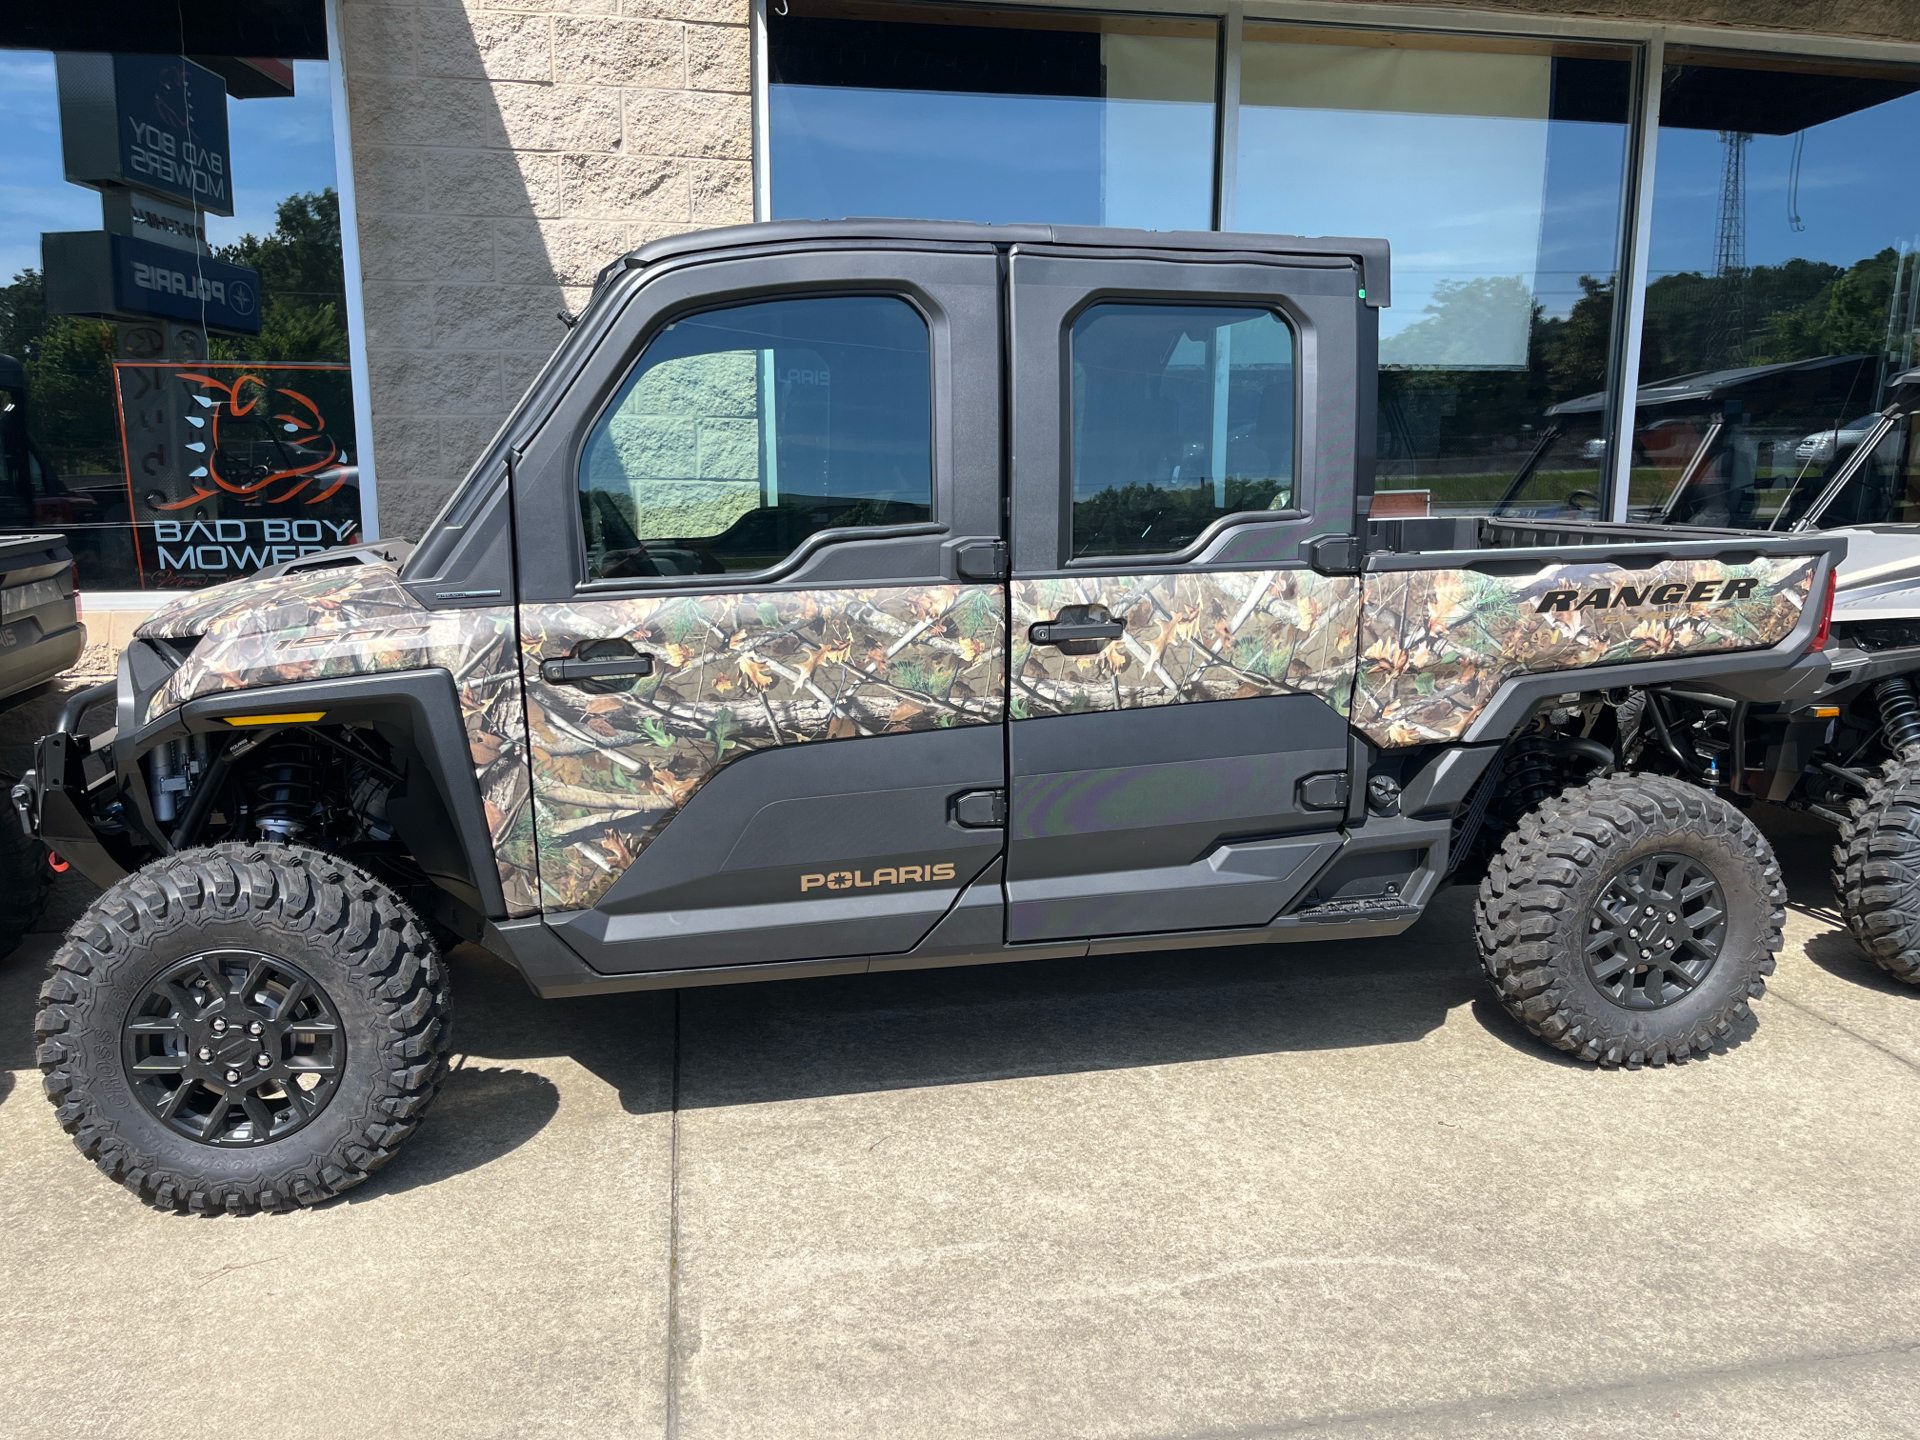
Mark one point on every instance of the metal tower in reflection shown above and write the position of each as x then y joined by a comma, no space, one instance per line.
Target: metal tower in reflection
1727,321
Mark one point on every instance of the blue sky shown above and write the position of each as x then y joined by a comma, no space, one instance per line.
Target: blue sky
1856,191
955,156
279,147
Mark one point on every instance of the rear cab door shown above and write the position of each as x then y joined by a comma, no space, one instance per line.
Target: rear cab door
762,609
1188,434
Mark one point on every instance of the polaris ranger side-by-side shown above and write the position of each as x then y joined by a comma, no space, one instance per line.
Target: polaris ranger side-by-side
874,595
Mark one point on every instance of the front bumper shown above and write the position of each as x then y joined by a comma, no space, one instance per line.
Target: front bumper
56,801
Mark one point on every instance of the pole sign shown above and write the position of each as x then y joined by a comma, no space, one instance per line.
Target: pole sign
156,123
95,272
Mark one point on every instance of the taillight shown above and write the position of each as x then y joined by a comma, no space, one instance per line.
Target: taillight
73,587
1823,632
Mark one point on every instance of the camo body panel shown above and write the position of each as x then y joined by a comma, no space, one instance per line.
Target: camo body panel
734,674
1435,645
1191,636
335,623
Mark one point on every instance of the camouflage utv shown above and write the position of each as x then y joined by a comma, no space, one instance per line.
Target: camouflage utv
870,596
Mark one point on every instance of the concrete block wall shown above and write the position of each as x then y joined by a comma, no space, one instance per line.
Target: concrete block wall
503,151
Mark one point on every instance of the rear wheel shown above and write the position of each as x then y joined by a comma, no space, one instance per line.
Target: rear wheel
1630,920
244,1027
1876,869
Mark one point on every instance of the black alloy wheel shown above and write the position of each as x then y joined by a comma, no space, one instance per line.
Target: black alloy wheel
1655,930
233,1048
183,978
1631,920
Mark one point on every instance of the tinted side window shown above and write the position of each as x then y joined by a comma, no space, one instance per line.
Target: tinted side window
1181,414
743,431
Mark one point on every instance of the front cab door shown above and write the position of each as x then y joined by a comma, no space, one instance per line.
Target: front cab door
762,616
1184,441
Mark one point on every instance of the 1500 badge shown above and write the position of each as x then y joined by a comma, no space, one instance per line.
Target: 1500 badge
885,875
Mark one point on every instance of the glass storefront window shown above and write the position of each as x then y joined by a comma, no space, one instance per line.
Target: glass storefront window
1496,168
1783,282
964,113
173,310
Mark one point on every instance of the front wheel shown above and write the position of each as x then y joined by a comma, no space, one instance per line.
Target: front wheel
1630,920
244,1027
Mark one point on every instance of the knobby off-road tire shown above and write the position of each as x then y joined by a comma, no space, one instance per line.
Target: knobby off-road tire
1563,887
26,880
1876,869
321,962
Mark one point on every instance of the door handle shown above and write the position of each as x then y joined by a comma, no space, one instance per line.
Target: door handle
602,665
1078,630
572,672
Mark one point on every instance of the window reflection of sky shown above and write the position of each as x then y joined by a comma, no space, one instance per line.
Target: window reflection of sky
1458,196
994,158
280,146
1856,194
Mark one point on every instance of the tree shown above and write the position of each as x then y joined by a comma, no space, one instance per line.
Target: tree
69,365
1847,315
303,293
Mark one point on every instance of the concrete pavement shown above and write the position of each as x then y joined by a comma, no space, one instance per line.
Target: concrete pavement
1314,1190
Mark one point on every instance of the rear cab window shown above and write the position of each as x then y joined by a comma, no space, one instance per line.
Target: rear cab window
1182,414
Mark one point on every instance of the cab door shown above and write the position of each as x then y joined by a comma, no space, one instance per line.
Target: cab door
1187,436
762,610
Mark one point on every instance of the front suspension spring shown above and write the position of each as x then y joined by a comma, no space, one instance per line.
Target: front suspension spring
1899,713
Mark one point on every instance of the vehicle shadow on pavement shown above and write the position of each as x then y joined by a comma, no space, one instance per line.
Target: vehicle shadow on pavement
482,1113
1805,848
1504,1028
749,1044
1840,955
20,977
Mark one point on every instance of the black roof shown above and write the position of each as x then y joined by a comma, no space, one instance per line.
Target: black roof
1372,256
1707,384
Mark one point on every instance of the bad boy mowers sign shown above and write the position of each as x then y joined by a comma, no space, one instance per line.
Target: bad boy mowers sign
234,466
151,122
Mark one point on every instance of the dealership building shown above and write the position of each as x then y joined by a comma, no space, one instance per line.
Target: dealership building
1615,225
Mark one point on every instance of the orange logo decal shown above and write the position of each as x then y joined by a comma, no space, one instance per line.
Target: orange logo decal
302,429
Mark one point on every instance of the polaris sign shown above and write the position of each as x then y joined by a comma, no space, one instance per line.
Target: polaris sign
94,272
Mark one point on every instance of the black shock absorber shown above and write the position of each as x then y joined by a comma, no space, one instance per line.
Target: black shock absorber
1899,713
1530,776
283,791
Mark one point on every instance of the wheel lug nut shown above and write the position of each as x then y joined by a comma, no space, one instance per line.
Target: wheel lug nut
257,1027
205,1054
232,1075
265,1061
1646,954
1633,934
218,1026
